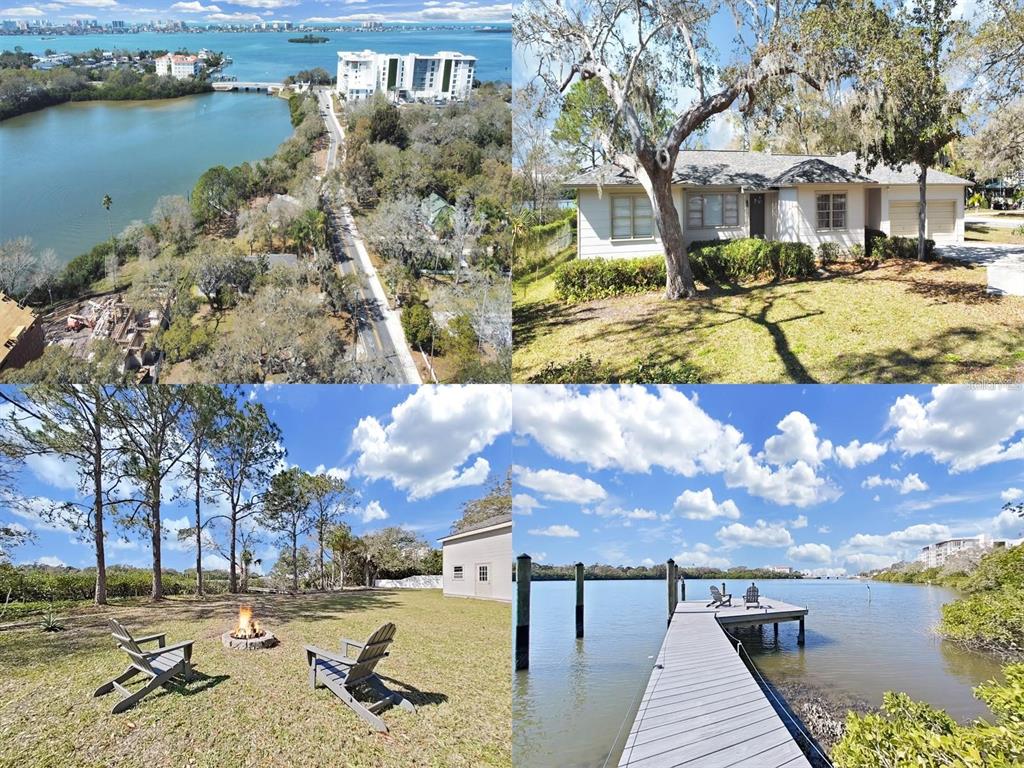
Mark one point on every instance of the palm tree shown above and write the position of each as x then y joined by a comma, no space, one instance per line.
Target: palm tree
111,264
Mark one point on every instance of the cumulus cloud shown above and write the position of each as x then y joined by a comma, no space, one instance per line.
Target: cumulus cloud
701,505
1012,494
524,504
195,7
799,522
963,427
908,484
797,441
636,430
810,553
856,453
233,17
912,536
637,513
373,511
762,534
558,531
559,486
701,555
1007,524
25,11
433,434
51,560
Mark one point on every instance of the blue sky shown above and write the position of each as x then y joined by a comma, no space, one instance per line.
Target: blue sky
413,456
207,11
832,479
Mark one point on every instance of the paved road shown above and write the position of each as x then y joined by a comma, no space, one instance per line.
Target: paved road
381,344
1003,222
1004,263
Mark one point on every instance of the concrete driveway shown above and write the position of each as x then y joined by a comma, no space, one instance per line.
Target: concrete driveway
1004,263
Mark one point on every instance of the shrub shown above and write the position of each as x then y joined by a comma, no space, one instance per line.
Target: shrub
653,371
829,253
907,732
977,200
583,369
873,239
587,279
580,370
903,248
418,324
990,621
735,261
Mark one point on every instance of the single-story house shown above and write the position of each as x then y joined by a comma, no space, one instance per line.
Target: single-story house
722,194
477,561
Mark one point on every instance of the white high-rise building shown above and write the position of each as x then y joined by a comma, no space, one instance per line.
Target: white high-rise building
936,554
177,66
443,76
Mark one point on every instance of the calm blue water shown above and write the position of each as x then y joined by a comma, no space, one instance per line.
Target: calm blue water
574,705
268,56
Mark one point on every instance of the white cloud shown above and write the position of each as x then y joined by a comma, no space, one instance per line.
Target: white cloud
824,529
701,555
701,505
558,531
53,471
265,3
635,430
810,553
26,11
868,551
647,562
50,560
799,522
762,534
856,453
233,17
524,504
427,446
539,557
122,543
797,441
866,561
912,482
963,427
1007,524
195,7
373,511
336,473
1012,494
560,486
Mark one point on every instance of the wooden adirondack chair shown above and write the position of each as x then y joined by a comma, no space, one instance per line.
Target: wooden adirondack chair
160,665
345,674
752,599
718,599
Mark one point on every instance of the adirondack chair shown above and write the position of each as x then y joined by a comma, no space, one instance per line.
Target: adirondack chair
718,600
160,665
344,675
752,598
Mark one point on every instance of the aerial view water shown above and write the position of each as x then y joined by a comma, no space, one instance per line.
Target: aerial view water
574,705
58,163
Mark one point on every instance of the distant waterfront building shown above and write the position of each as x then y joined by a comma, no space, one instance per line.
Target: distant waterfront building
117,25
177,66
778,568
443,76
934,555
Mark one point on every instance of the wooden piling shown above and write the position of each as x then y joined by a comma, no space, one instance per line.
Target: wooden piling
682,586
579,599
523,566
776,630
670,579
800,634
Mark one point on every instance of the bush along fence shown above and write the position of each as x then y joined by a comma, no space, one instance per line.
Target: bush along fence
723,262
30,585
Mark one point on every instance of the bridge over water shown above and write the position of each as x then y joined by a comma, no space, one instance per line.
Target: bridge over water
236,85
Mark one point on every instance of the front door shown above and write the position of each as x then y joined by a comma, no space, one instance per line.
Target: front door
757,215
482,585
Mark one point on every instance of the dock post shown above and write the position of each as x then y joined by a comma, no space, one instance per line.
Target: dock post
670,578
682,586
523,563
579,599
776,630
800,634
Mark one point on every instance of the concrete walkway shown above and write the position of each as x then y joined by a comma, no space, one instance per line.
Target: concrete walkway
1004,263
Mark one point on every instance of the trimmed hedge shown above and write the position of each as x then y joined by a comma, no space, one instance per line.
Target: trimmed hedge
902,248
588,279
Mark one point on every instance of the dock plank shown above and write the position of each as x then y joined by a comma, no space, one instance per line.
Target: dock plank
702,707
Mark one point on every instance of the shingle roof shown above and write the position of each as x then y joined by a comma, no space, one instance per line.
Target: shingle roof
760,170
496,520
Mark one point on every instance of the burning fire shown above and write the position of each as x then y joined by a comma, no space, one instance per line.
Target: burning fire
247,626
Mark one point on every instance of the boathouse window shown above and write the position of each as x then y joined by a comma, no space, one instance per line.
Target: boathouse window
718,210
831,211
632,218
482,573
457,573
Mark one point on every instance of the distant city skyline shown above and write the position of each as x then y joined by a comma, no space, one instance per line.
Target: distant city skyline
255,11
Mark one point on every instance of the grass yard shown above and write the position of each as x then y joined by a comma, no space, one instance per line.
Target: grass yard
976,232
254,708
899,322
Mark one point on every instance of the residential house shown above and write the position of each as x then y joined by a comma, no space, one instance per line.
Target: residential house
477,561
721,194
443,76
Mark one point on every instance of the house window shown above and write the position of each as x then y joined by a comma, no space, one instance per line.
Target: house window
632,218
719,210
457,573
482,573
831,211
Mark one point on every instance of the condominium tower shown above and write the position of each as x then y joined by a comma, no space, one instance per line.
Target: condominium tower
443,76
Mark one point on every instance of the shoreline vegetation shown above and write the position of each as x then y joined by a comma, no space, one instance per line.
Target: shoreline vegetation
24,89
309,39
597,572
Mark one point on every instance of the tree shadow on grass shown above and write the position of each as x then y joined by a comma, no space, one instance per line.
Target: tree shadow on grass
199,683
942,358
415,695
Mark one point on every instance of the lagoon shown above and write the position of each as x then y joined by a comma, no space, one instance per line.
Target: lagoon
574,705
59,162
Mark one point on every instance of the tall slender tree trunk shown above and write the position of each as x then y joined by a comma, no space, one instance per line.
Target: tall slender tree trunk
233,581
323,572
922,216
295,561
101,558
154,498
657,182
199,525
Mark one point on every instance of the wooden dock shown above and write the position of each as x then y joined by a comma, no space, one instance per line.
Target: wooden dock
702,707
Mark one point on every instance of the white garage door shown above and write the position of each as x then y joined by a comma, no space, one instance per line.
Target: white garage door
903,219
941,218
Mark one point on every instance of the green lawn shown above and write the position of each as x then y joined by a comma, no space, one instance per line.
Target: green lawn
450,658
901,322
981,232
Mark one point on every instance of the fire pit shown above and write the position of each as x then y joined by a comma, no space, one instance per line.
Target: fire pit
248,635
